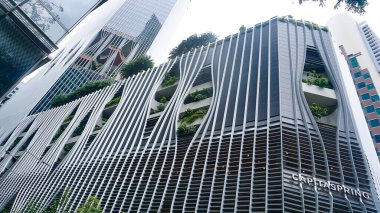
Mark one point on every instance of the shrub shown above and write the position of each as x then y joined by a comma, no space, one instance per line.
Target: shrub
114,101
191,115
160,108
319,111
198,95
137,65
84,90
184,129
169,80
163,100
316,79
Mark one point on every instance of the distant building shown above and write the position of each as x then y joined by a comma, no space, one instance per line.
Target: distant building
128,34
255,122
360,46
30,30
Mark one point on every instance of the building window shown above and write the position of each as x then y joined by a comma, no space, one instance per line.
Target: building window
361,85
377,138
365,96
370,86
378,111
370,109
357,74
375,98
354,62
374,123
366,75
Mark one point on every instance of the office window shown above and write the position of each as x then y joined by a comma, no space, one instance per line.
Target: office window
366,75
370,86
365,96
370,109
354,62
375,98
378,111
361,85
357,74
374,123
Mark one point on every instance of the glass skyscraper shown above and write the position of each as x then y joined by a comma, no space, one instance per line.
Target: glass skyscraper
128,34
255,122
30,31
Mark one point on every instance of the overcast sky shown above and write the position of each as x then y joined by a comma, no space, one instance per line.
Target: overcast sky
224,17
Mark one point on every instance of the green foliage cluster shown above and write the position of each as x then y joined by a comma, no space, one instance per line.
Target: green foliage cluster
316,79
198,95
114,101
136,65
192,42
354,6
15,142
169,80
162,105
55,206
60,131
184,129
90,206
191,115
84,90
319,111
187,118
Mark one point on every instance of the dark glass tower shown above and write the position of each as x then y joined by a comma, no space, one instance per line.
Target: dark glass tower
256,122
129,34
30,31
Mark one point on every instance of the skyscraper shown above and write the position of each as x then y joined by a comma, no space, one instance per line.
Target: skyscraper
256,122
30,31
129,33
358,44
373,43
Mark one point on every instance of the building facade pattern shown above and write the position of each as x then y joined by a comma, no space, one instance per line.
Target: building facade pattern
251,151
373,43
129,34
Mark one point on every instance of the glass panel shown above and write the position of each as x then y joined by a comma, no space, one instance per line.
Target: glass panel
69,11
41,17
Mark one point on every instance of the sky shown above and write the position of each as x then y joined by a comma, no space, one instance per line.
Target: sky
224,17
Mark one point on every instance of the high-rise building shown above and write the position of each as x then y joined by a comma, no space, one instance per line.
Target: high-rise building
258,121
128,34
30,30
359,44
373,43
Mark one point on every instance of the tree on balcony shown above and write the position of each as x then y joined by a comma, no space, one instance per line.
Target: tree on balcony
137,65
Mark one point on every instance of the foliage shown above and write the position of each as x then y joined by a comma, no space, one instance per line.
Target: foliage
160,108
137,65
114,101
191,115
55,206
316,79
198,95
60,131
242,28
319,111
90,206
84,90
354,6
184,129
169,80
69,118
163,99
192,42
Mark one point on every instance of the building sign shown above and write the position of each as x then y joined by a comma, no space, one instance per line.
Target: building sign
330,186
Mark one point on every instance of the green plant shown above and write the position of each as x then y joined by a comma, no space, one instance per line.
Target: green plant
198,95
169,80
355,6
114,101
163,99
90,206
319,111
69,118
84,90
316,79
137,65
160,108
191,115
192,42
184,129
